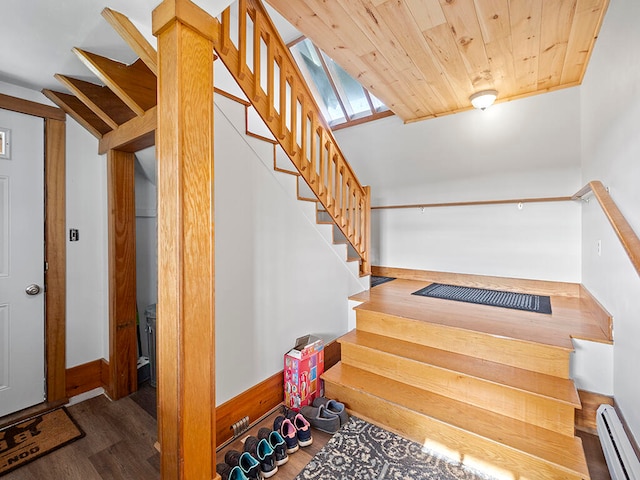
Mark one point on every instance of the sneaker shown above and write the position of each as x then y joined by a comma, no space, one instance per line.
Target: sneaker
321,418
333,406
262,451
277,443
236,473
303,430
249,465
223,470
288,432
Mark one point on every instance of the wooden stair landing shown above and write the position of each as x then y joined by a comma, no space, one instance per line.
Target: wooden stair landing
489,384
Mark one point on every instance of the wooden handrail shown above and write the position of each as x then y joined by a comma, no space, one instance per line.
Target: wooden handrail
627,236
476,202
264,68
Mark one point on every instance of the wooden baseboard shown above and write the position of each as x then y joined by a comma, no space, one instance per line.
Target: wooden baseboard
260,399
605,320
85,377
586,418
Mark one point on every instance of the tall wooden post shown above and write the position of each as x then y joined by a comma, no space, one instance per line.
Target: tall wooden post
185,321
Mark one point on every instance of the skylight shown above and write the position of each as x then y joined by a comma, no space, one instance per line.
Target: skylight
342,99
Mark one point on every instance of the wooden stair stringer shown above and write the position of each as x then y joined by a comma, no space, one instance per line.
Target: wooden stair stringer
543,400
511,446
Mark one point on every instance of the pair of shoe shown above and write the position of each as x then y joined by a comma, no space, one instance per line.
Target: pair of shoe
326,414
261,457
239,466
230,473
295,429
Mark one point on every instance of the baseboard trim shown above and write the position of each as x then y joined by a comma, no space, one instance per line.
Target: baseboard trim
261,398
586,418
86,377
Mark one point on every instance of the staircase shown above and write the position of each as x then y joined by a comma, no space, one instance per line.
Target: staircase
253,52
498,403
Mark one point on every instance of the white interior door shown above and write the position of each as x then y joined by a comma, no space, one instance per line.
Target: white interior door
21,261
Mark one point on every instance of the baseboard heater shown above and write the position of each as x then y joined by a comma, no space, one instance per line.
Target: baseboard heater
621,458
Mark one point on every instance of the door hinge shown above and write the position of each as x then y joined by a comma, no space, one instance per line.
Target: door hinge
46,266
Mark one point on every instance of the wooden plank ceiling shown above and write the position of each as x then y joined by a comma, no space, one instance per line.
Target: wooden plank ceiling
425,58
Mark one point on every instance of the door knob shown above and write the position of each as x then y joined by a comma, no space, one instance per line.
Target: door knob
32,289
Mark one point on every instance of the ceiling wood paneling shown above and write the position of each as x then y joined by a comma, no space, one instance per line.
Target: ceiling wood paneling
425,58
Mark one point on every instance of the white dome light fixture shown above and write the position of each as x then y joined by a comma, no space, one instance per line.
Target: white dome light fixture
483,99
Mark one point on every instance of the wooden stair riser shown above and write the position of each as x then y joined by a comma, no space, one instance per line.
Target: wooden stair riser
536,357
521,405
432,433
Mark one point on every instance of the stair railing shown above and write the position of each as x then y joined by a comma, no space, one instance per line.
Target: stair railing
251,48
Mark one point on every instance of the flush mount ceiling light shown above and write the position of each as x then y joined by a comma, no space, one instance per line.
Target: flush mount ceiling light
483,99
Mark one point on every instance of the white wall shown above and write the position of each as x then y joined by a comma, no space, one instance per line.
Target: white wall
520,149
87,259
277,278
610,150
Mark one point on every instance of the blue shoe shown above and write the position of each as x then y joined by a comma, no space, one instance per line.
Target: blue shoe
277,443
303,430
262,451
249,465
236,473
289,433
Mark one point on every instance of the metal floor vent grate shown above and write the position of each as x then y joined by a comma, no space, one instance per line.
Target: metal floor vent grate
494,298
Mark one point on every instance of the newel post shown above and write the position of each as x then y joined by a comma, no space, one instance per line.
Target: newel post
186,324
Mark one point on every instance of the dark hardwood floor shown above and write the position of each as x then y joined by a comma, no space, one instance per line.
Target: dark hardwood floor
120,437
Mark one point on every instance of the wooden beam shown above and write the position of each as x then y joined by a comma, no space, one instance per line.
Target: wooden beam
79,112
136,134
100,100
135,84
186,322
133,37
122,273
28,107
55,257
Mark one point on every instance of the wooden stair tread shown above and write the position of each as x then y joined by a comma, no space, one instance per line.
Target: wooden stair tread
554,448
571,316
548,386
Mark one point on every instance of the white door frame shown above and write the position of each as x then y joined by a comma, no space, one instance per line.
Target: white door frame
55,249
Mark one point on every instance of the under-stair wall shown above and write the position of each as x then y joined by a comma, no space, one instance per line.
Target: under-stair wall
277,276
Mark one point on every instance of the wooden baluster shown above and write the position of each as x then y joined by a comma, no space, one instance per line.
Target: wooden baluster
270,78
345,199
303,141
294,121
365,266
257,35
311,129
226,34
242,38
323,163
356,219
330,174
283,100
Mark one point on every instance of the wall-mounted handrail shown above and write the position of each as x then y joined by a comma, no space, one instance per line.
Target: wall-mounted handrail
624,231
475,202
253,52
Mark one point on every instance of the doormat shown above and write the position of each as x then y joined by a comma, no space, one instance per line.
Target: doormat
28,440
364,451
375,281
494,298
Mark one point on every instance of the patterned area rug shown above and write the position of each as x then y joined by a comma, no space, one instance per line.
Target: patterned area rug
364,451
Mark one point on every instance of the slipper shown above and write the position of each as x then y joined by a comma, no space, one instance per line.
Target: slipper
321,418
334,407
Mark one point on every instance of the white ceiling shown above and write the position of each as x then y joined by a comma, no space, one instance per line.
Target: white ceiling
39,34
